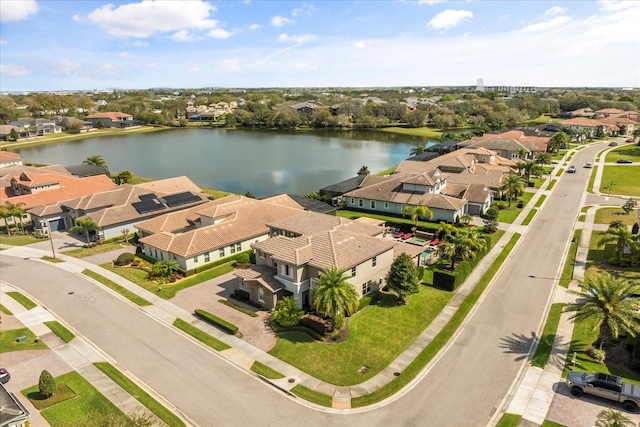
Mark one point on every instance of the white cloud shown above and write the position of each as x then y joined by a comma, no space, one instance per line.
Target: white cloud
302,38
3,41
195,69
229,66
11,10
108,69
280,21
541,26
14,70
152,65
362,44
611,5
306,9
255,27
431,2
182,36
304,66
449,19
126,55
137,43
65,66
150,16
219,33
555,10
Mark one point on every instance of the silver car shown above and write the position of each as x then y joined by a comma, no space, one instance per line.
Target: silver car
606,386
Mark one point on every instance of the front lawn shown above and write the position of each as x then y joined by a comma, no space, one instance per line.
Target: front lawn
88,405
377,335
508,214
60,330
608,215
631,152
136,299
8,341
18,240
95,250
24,301
625,180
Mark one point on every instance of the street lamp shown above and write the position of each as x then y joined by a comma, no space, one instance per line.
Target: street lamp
611,184
47,225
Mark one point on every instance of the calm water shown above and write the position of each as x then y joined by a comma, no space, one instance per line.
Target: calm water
238,161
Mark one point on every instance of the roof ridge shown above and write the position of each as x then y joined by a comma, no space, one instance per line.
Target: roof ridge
334,257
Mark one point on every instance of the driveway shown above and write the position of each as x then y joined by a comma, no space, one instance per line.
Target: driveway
206,296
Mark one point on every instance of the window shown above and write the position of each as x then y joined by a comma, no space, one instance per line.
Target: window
373,204
161,257
195,258
360,203
353,271
260,294
386,205
366,288
260,254
232,249
353,201
238,247
286,269
206,257
374,261
221,252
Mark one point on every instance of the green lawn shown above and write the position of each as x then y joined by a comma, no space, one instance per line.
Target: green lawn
18,240
5,310
200,335
142,396
168,290
567,269
541,200
549,423
60,330
631,152
51,259
423,131
376,336
592,178
24,301
119,289
608,215
625,180
8,341
510,213
548,335
529,217
541,120
312,395
537,182
266,371
552,184
88,405
99,249
509,420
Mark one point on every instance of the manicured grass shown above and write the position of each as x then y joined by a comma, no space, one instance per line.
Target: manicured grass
423,131
541,120
608,215
537,182
51,259
136,299
18,240
631,152
567,269
598,253
8,341
387,171
584,209
312,395
216,321
200,335
548,423
217,194
548,335
169,290
509,420
5,310
89,404
560,172
237,307
142,396
441,339
377,336
552,184
266,371
541,200
529,217
60,330
62,393
24,301
592,178
95,250
510,213
581,217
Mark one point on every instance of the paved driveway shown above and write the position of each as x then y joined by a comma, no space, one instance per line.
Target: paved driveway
206,296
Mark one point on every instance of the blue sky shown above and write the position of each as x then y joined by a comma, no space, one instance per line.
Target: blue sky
68,45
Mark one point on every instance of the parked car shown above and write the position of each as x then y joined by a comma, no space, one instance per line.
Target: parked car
4,376
623,161
606,386
613,144
572,169
588,165
630,140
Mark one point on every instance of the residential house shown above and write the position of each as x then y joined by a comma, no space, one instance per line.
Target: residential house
8,158
589,126
5,132
112,120
304,107
214,230
35,127
505,147
303,246
608,112
621,122
121,207
12,412
535,143
64,122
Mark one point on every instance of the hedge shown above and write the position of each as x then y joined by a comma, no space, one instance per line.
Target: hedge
218,262
216,321
125,259
368,300
450,281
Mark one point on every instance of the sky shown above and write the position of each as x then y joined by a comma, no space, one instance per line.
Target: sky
50,45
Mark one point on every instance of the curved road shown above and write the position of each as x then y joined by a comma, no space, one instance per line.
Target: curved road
464,387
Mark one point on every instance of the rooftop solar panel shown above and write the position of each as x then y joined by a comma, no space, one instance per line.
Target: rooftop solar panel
147,206
149,196
180,199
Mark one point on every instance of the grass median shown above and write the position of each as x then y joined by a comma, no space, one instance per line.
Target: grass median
543,350
136,299
60,330
24,301
200,335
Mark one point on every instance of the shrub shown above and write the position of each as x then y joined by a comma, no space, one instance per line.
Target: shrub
450,281
520,204
46,384
125,259
243,258
138,250
287,312
216,321
369,299
634,229
339,322
597,354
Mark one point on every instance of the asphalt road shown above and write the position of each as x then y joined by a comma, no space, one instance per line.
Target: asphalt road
464,388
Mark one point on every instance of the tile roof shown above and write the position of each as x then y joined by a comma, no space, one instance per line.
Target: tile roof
311,222
262,274
582,121
610,111
112,115
8,156
495,144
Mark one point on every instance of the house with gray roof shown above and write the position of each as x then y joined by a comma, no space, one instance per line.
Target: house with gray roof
505,147
12,412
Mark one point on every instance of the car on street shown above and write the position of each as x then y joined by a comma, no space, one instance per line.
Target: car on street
630,140
4,376
623,161
607,386
572,169
588,165
613,144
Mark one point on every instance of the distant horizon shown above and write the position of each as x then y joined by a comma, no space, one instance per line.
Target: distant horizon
47,46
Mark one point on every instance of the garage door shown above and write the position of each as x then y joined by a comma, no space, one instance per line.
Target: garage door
56,225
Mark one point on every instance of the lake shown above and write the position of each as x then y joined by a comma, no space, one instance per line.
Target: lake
237,161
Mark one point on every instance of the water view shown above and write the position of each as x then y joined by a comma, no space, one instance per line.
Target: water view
238,161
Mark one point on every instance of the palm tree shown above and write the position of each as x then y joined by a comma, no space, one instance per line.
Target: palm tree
16,211
418,149
446,230
531,168
333,294
97,161
522,153
463,246
85,226
556,141
4,214
513,186
287,312
621,236
466,218
610,302
611,418
543,158
417,212
164,269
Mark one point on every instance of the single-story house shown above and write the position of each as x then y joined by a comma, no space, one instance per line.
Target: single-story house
8,158
112,120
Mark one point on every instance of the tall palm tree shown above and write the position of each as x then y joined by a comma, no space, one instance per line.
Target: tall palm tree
609,301
85,226
416,213
611,418
531,168
164,269
543,158
16,211
97,161
446,230
333,294
463,246
621,236
556,141
418,149
512,186
5,215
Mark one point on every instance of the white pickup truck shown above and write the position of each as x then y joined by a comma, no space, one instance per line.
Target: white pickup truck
606,386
